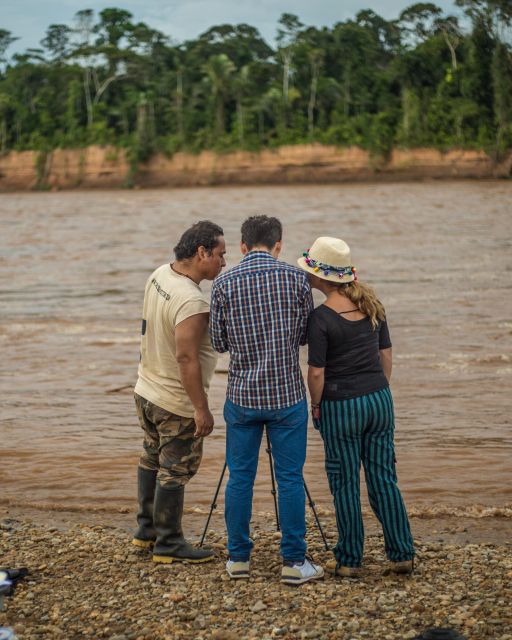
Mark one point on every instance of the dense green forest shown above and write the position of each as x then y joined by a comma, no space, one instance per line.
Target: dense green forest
424,79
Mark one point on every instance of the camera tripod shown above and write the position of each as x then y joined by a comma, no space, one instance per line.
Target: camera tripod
273,491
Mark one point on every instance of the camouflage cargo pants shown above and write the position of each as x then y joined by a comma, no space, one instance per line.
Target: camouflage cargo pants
169,444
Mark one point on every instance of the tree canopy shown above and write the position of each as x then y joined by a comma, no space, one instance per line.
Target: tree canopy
419,80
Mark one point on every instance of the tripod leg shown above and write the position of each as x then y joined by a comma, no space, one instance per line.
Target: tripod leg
214,503
312,505
273,480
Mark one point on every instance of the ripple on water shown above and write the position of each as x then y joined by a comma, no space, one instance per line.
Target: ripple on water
73,268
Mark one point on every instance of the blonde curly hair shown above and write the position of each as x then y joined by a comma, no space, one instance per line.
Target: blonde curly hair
365,299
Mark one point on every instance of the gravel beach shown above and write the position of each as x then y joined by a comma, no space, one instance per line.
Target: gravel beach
88,581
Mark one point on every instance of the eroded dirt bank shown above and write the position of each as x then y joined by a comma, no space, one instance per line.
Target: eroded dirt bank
107,167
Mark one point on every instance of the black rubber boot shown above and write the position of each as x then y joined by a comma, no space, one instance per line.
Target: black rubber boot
145,535
170,545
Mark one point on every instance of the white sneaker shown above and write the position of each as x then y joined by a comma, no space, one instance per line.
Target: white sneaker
299,573
237,570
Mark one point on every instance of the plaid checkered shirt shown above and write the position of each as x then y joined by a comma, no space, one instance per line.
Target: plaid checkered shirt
259,313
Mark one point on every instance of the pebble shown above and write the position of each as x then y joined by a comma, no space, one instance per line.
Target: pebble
223,634
279,631
200,622
116,593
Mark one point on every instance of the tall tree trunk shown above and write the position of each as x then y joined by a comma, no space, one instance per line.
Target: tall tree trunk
145,130
346,93
287,59
406,113
220,115
452,50
240,117
3,136
88,101
261,125
459,118
179,104
312,100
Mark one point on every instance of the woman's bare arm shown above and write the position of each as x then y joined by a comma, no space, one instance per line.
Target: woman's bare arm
316,383
386,359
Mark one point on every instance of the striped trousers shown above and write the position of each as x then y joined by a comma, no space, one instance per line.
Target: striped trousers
361,430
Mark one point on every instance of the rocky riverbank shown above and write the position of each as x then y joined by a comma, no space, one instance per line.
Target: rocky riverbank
87,581
109,167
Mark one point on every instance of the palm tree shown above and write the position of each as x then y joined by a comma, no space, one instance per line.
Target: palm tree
241,85
219,70
315,57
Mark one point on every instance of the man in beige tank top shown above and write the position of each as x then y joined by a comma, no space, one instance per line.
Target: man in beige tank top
176,365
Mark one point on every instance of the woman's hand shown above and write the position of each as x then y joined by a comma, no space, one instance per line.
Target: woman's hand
316,415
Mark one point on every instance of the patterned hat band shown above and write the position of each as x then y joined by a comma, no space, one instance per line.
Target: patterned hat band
328,269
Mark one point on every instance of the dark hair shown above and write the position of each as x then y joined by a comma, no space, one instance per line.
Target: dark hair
201,234
261,230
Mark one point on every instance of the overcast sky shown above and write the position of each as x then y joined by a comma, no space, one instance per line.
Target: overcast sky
185,19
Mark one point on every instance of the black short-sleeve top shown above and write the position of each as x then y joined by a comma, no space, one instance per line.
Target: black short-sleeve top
349,352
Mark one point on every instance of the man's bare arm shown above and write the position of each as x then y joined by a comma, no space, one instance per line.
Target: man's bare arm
189,335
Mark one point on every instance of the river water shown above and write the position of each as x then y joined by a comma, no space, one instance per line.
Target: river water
73,268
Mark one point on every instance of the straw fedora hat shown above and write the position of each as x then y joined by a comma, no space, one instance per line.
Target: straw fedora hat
329,259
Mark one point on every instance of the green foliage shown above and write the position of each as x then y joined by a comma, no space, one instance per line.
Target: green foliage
6,39
415,81
57,41
502,83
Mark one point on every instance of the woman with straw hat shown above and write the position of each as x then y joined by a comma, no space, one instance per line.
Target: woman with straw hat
348,378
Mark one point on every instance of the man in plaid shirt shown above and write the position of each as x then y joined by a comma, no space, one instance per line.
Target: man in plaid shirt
259,312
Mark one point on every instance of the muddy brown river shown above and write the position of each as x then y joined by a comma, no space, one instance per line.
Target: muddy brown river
72,272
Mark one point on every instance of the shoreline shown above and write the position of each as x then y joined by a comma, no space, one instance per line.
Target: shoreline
446,528
98,167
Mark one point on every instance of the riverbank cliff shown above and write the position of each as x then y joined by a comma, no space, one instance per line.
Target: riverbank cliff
109,167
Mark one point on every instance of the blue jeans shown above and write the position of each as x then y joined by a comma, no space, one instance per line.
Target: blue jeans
287,430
